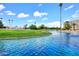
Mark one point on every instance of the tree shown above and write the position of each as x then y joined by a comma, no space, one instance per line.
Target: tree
73,26
67,25
25,26
1,24
42,27
32,26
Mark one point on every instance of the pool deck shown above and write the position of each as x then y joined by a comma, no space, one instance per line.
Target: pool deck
71,31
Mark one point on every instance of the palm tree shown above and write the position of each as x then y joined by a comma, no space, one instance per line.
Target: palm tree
67,25
73,26
1,18
60,5
1,23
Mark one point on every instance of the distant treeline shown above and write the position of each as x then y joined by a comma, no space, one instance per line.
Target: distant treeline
42,26
32,26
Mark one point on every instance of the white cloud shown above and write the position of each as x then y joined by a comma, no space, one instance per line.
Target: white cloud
1,7
30,21
71,6
10,13
67,19
45,18
4,22
22,15
76,14
50,24
1,13
7,11
54,24
40,5
40,14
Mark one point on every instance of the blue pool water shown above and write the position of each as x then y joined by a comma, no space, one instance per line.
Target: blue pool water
64,44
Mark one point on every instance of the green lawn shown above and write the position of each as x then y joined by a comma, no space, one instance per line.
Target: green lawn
22,33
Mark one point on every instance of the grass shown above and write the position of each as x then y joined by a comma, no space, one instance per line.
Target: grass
4,34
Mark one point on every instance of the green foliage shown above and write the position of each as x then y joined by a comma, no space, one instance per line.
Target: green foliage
54,28
1,24
25,26
67,25
33,27
5,34
42,27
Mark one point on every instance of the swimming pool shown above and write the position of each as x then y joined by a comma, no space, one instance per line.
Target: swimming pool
56,44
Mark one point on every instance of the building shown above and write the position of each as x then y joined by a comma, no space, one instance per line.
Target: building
75,24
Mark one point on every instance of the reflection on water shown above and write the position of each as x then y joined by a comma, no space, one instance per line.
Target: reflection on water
57,44
67,39
65,42
2,49
1,46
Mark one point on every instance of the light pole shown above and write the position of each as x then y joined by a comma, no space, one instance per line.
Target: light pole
10,23
60,5
61,41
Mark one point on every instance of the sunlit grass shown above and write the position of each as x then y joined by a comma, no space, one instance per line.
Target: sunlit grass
22,33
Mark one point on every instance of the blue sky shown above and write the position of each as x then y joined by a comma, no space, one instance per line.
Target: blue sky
28,13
